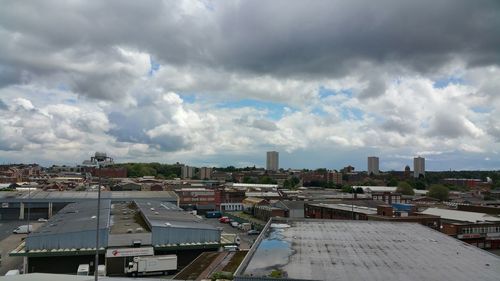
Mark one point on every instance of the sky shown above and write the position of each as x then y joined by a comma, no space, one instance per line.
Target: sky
218,83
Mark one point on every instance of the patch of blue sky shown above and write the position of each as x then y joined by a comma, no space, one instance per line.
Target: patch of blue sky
325,92
352,113
153,66
444,82
188,97
275,110
482,109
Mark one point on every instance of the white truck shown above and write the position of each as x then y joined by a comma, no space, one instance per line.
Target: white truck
151,264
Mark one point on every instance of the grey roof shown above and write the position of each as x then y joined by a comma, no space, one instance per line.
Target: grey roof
455,215
166,214
76,217
347,207
293,204
76,196
364,250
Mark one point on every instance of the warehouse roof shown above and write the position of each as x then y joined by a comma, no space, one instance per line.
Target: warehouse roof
74,196
164,214
363,250
346,207
455,215
76,217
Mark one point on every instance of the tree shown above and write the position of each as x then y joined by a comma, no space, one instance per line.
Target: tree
392,182
405,188
420,185
438,191
359,190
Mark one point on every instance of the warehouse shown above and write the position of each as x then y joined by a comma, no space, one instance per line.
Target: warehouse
127,229
43,204
299,249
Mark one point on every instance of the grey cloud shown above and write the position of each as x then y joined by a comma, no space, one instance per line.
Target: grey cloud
398,125
494,130
280,38
449,125
3,106
264,125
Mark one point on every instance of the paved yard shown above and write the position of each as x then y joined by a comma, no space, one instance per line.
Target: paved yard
9,242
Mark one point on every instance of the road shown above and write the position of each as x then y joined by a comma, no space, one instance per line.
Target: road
9,242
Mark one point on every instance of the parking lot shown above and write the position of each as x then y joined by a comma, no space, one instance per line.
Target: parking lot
8,242
246,240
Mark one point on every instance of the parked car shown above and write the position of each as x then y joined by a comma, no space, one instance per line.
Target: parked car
224,220
235,224
23,229
42,220
253,232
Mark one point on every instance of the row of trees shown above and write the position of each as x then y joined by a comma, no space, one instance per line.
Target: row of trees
166,171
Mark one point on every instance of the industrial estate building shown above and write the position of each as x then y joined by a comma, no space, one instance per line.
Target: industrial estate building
43,204
297,249
127,229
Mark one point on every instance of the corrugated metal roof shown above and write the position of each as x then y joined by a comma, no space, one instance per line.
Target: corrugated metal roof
346,207
363,250
76,217
164,214
460,215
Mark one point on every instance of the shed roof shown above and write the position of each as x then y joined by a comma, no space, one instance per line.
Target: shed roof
460,215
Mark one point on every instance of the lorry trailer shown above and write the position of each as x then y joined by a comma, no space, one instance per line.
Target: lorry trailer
147,265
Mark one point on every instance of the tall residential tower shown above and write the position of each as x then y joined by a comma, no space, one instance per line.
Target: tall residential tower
418,167
272,163
373,165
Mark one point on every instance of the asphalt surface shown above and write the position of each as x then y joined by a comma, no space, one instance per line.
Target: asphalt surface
246,240
10,241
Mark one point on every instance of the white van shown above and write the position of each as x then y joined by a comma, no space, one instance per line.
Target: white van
23,229
101,270
12,272
83,269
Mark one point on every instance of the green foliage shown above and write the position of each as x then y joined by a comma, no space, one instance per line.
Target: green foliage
222,275
359,190
276,273
248,179
420,185
392,182
135,170
405,188
347,189
438,191
266,180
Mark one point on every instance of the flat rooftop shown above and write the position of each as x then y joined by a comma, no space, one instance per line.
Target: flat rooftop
74,196
461,216
125,218
363,250
348,208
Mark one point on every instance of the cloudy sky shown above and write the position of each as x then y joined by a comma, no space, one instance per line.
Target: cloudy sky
325,83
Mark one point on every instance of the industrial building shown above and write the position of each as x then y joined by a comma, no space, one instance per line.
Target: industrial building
479,229
140,227
297,249
43,204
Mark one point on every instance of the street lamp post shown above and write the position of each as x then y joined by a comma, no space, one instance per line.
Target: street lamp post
100,159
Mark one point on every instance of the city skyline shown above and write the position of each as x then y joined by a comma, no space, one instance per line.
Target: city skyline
196,84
